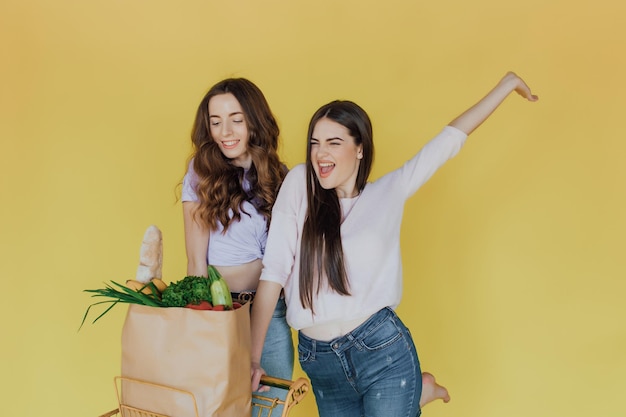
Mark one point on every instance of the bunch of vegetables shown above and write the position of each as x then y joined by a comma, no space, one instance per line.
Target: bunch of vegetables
148,289
199,293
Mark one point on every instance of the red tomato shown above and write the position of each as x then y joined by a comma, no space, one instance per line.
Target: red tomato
236,305
219,307
203,305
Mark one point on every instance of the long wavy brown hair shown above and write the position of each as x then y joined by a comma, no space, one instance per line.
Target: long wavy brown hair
219,186
321,255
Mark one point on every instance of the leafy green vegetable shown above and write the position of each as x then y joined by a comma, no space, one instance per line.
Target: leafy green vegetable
123,295
189,290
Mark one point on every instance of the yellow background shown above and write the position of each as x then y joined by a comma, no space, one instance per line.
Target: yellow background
513,252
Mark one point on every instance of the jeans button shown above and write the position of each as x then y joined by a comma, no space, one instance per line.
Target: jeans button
335,345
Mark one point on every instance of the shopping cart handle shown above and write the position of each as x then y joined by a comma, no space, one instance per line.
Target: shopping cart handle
276,382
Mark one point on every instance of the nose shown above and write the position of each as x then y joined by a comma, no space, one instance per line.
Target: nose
226,129
321,150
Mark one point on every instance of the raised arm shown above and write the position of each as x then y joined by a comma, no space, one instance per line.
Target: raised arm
479,112
265,300
196,241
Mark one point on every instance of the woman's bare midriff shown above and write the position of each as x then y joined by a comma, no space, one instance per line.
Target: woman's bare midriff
242,277
330,331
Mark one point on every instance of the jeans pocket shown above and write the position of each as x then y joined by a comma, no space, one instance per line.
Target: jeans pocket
386,334
304,355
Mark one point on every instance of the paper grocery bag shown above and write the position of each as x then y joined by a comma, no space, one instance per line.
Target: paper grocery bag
204,352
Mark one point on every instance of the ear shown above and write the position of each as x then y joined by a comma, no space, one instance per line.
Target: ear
359,154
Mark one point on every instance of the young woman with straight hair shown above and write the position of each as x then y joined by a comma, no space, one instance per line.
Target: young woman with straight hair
334,249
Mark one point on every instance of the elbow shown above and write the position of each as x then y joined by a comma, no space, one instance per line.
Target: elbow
197,268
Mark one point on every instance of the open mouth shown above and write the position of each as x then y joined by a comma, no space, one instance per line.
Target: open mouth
325,168
229,144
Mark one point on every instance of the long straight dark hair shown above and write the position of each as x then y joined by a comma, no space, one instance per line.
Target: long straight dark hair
321,255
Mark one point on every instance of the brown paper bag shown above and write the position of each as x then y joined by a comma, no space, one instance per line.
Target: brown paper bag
204,352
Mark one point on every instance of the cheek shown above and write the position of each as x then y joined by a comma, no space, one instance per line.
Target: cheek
313,161
244,134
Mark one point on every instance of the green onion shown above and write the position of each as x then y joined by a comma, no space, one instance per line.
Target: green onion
126,295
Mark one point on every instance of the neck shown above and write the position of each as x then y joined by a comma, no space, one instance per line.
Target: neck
244,162
347,193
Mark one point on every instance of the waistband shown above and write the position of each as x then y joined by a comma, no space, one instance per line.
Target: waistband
346,341
243,296
247,296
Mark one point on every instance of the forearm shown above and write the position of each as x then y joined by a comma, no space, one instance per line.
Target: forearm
473,117
196,242
197,268
262,310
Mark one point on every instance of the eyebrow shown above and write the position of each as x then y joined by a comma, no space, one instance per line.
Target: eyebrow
333,138
230,115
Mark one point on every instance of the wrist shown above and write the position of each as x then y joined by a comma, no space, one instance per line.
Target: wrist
510,81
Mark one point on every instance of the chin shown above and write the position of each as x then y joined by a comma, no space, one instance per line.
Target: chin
325,185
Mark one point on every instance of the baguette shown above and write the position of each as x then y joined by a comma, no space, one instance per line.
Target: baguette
150,255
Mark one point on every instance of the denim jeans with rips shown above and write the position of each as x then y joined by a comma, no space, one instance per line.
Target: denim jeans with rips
373,371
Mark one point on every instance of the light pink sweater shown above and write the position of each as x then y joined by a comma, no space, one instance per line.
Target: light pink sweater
370,235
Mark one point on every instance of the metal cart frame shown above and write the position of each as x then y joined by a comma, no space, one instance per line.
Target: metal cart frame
261,405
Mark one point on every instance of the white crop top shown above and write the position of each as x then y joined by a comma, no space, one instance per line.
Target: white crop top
243,242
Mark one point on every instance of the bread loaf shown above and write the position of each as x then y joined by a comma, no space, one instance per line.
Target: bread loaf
150,255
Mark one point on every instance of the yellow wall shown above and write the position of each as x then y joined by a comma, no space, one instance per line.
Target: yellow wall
513,253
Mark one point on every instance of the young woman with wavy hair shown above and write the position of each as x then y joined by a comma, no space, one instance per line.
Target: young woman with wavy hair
334,247
228,192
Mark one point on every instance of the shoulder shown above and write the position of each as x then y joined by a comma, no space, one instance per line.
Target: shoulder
190,184
298,168
191,176
296,175
293,188
190,169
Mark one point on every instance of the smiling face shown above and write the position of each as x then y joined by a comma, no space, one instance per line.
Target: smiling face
229,128
335,157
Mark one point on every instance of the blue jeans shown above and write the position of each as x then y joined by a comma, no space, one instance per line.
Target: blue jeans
277,356
373,371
